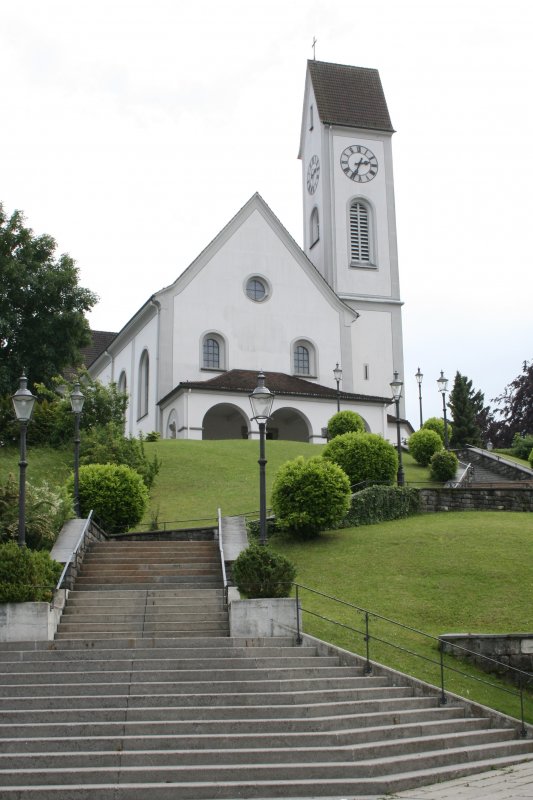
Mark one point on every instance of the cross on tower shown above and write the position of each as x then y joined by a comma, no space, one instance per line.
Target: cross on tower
313,46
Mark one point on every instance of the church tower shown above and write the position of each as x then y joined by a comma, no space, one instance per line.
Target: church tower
349,215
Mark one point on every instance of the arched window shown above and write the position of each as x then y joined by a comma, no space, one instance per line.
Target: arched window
123,383
144,375
315,227
303,358
213,353
360,234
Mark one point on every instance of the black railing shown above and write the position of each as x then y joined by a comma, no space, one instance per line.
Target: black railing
523,679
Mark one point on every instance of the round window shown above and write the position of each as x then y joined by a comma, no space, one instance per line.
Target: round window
256,290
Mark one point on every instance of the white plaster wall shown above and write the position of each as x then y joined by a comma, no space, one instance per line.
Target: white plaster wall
362,280
312,146
372,345
191,408
258,335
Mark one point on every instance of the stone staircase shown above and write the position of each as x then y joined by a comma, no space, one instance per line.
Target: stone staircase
144,696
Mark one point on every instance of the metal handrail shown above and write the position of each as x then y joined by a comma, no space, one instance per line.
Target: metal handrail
524,678
222,560
75,551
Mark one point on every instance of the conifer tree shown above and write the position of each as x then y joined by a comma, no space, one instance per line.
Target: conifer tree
465,404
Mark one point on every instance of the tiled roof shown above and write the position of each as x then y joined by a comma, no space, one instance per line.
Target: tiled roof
243,380
351,96
100,340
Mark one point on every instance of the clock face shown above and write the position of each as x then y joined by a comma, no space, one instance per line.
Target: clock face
359,163
313,174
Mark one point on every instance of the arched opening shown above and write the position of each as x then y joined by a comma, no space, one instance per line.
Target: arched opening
172,425
289,424
144,385
225,421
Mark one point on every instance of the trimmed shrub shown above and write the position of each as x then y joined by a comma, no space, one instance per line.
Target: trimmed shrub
521,447
107,444
423,444
345,422
364,457
437,424
26,575
443,465
259,572
310,496
116,494
47,509
531,459
381,503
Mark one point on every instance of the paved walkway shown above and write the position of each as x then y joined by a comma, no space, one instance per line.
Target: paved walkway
234,537
509,783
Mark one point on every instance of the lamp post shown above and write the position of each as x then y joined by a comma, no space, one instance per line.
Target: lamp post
337,372
442,383
77,400
23,401
396,387
261,401
419,375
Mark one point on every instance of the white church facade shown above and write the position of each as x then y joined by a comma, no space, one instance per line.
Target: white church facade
254,300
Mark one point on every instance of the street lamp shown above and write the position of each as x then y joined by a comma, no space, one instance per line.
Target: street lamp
442,383
261,401
23,401
396,387
77,400
337,372
419,376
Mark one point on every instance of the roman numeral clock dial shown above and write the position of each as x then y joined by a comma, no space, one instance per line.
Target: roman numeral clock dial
359,163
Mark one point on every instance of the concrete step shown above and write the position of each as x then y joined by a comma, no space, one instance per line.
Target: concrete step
322,771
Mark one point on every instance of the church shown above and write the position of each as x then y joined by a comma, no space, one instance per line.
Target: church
254,301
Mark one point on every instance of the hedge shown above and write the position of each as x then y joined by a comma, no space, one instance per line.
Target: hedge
382,503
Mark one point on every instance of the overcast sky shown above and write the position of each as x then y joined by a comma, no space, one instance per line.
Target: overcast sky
133,131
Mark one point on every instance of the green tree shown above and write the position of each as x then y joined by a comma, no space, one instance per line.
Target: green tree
465,404
516,407
42,307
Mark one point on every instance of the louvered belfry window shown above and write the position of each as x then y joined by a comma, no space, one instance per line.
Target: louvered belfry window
359,233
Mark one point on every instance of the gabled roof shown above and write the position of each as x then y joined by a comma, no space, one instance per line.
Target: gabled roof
350,96
99,342
244,381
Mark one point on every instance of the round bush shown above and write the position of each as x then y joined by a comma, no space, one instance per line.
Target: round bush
116,494
364,457
530,459
437,424
344,422
259,572
310,496
443,465
423,444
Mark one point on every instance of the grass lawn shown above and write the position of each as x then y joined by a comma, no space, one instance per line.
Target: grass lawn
440,573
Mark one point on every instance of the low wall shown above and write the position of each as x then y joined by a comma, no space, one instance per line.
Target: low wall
476,499
510,649
495,463
31,622
269,616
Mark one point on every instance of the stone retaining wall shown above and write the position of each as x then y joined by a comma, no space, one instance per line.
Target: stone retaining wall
476,499
495,463
510,649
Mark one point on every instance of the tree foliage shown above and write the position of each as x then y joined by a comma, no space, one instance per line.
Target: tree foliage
465,405
437,424
364,457
42,307
310,496
515,414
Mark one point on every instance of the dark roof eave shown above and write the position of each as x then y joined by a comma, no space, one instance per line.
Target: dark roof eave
285,393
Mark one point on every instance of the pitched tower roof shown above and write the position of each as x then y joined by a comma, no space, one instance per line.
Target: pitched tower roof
351,96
